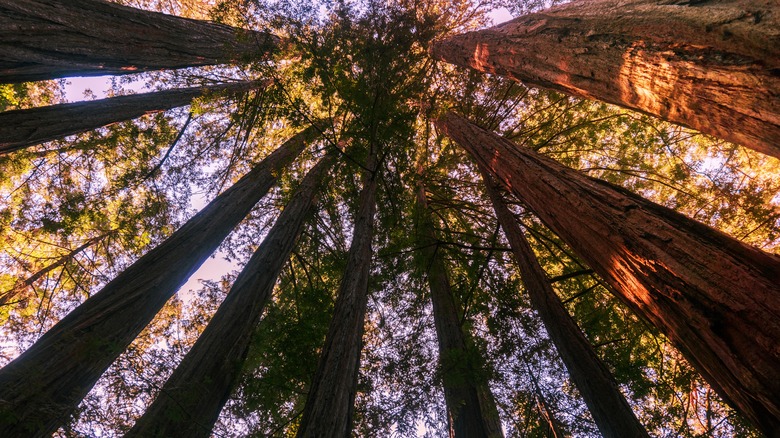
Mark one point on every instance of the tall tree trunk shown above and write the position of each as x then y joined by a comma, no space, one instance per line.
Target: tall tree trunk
710,65
190,401
47,39
330,404
471,409
609,408
716,298
41,388
28,127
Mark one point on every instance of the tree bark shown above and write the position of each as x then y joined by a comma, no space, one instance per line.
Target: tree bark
471,408
47,39
713,66
598,388
189,403
42,387
28,127
716,298
329,406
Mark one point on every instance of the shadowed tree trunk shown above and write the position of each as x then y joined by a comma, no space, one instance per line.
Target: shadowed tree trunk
21,285
716,298
47,39
710,65
471,409
190,401
609,408
330,404
41,388
28,127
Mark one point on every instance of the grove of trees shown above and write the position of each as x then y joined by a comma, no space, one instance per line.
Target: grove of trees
567,224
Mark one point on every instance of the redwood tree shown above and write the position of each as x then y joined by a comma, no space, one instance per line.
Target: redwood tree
190,401
28,127
712,66
471,409
46,39
330,403
716,298
42,387
598,388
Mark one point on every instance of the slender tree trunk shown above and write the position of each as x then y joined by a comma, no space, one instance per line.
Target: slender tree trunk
47,39
22,285
710,65
606,403
471,409
28,127
716,298
41,388
330,404
190,401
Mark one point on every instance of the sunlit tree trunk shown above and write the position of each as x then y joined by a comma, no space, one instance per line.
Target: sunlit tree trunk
190,401
46,39
716,298
28,127
329,405
609,408
710,65
471,408
41,388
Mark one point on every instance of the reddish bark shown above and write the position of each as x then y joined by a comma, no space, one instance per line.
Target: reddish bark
42,387
28,127
47,39
189,403
330,404
716,298
713,66
598,388
471,408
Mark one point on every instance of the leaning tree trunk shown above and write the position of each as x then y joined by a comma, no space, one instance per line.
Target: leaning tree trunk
471,408
716,298
330,404
28,127
189,403
42,387
606,403
710,65
47,39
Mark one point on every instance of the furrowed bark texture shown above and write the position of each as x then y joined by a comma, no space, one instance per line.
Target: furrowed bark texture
189,403
47,39
606,403
41,388
710,65
471,408
330,404
716,298
28,127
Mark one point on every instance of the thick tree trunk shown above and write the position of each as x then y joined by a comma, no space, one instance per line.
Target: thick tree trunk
47,39
330,404
41,388
190,401
471,408
28,127
609,408
710,65
22,285
716,298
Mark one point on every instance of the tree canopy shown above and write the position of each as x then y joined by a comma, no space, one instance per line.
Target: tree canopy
357,76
